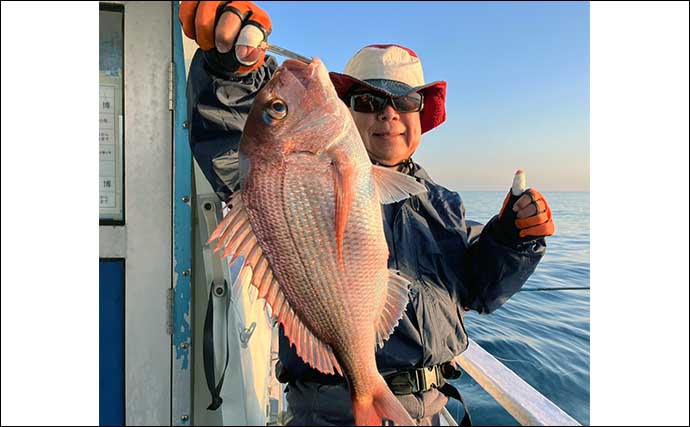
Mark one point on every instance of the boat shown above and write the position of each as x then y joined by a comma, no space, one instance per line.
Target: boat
159,312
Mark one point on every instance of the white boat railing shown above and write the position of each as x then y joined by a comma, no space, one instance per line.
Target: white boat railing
521,400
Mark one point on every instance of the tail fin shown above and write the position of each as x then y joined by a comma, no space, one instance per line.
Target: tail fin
381,406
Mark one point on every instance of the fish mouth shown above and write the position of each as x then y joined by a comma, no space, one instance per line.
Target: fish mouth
303,73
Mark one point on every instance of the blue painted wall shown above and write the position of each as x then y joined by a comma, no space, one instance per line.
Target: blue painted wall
111,342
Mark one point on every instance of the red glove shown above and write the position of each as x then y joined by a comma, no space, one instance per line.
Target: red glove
525,215
216,32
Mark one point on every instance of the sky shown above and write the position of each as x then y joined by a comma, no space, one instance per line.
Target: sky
517,74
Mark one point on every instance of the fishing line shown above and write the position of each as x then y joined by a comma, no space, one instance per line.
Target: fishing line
555,289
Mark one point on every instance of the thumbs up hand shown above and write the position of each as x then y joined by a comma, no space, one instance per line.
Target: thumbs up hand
525,214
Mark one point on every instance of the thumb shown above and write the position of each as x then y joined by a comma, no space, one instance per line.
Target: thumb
519,183
247,45
516,190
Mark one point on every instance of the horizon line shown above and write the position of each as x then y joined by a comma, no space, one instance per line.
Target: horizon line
504,190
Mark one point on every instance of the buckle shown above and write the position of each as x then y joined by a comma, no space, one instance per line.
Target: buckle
427,378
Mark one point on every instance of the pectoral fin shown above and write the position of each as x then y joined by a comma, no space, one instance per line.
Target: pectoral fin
393,308
394,186
343,188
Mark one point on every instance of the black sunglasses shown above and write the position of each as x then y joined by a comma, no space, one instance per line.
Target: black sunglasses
374,102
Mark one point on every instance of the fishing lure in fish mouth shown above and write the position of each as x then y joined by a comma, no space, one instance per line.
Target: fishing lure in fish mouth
284,52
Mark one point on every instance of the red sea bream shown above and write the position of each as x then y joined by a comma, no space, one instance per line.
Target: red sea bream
308,223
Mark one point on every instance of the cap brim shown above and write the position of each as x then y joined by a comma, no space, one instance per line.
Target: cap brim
344,83
434,111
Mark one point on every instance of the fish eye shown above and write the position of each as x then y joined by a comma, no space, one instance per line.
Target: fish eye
276,109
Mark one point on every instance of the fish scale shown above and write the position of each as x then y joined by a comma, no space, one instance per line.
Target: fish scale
273,222
313,216
309,225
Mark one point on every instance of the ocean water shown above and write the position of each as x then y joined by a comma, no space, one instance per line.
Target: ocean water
542,335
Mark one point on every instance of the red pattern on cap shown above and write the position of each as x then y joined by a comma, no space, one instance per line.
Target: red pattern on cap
385,46
434,112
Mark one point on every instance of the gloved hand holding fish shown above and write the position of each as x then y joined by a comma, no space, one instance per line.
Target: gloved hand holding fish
308,223
230,32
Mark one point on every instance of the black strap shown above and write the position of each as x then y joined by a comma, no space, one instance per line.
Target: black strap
414,380
423,379
454,393
407,163
209,359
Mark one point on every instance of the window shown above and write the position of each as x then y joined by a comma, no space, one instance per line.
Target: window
111,114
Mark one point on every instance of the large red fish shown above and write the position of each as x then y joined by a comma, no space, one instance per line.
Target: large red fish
308,223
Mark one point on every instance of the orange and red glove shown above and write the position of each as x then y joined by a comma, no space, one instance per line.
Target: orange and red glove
524,217
216,26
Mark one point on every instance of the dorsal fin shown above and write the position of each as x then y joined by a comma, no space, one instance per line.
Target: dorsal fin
393,307
394,186
237,239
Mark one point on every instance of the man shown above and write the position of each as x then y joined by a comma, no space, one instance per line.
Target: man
455,265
